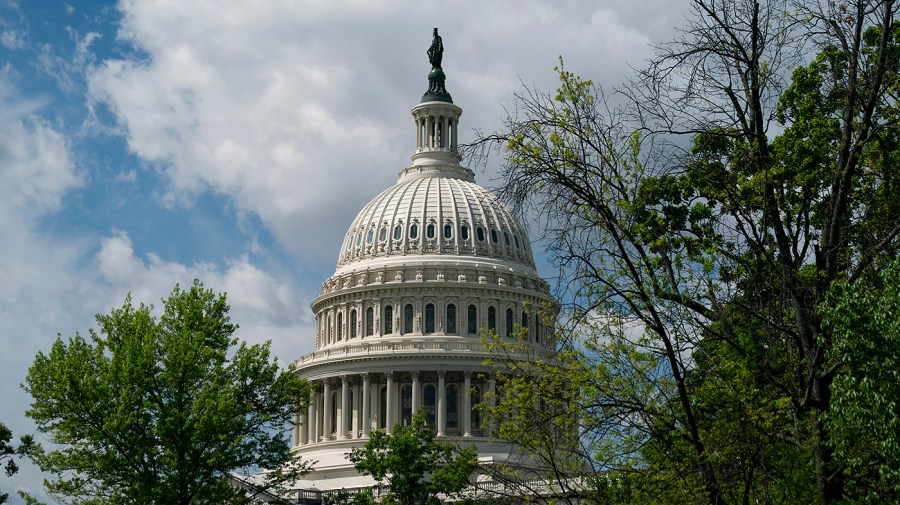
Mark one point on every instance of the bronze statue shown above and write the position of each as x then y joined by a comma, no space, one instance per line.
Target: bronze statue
436,51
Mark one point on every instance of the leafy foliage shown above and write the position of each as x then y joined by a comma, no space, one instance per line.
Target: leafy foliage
9,453
866,414
700,220
412,466
161,410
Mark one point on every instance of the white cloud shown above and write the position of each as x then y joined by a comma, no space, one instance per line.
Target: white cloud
296,110
265,307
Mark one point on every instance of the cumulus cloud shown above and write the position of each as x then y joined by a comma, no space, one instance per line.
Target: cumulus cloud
265,307
287,106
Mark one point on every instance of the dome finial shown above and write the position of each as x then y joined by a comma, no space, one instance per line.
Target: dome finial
436,90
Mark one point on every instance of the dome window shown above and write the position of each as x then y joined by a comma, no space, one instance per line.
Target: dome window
492,319
479,232
448,230
353,323
397,231
358,239
451,319
472,320
516,237
388,319
408,316
464,232
509,322
429,230
370,236
506,238
382,234
370,321
414,231
494,238
429,318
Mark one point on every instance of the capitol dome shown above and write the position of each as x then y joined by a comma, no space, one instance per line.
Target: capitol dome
436,211
426,268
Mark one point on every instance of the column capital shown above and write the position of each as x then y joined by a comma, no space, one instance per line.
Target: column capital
441,374
414,374
364,376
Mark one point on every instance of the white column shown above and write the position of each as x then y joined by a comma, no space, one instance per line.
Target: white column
429,133
416,392
326,411
366,418
311,419
354,425
343,408
441,403
453,127
389,415
295,431
467,404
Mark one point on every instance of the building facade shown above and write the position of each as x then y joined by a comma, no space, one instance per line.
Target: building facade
426,266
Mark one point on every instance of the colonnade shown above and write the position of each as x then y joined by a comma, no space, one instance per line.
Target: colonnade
350,406
436,132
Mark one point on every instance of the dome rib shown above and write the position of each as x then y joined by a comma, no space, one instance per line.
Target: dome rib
437,200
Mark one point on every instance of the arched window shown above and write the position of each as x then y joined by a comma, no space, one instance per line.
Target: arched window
464,232
492,319
506,238
397,231
525,323
388,319
448,230
405,404
370,321
414,231
370,236
509,322
493,236
429,230
429,318
382,234
353,323
472,320
408,314
451,319
429,396
452,406
340,326
329,334
479,232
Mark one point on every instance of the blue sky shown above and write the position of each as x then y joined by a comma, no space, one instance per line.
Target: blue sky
145,143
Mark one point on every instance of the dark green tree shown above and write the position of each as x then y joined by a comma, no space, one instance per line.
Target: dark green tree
161,410
412,467
866,394
701,223
9,453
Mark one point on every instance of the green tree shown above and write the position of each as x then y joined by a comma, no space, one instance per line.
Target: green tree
162,410
746,170
412,466
9,453
866,413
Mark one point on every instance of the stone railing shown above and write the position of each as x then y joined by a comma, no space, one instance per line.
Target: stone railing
379,347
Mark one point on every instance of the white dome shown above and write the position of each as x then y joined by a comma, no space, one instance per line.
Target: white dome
435,210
